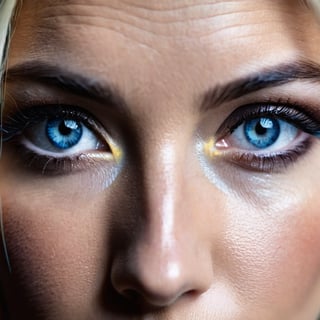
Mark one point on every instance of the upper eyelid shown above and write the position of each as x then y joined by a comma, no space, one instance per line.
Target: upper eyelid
23,95
24,118
279,110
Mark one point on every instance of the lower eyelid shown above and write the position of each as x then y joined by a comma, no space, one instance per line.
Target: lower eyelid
53,166
226,148
36,150
261,161
273,163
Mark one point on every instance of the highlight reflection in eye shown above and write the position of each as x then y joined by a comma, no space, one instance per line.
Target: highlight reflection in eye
264,137
59,138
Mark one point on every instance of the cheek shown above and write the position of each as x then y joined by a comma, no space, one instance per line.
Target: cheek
275,254
56,246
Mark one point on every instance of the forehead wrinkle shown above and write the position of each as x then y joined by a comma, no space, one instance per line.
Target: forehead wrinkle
71,38
192,21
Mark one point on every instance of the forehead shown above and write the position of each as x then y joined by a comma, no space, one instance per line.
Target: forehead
157,23
188,44
165,26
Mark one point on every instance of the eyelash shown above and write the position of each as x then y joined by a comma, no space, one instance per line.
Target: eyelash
27,117
293,114
16,124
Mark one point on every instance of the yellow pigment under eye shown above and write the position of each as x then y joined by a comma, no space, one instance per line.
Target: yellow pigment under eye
210,148
115,154
116,151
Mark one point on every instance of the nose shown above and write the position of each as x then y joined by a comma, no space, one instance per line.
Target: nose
166,258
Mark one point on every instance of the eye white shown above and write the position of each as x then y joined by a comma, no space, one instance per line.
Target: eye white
37,141
287,135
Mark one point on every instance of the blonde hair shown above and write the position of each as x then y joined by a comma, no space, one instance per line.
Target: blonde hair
314,5
6,13
7,10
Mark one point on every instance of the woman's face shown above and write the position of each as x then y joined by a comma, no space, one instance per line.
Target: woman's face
161,161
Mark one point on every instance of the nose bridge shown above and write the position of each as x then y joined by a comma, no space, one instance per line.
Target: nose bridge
162,263
162,180
162,244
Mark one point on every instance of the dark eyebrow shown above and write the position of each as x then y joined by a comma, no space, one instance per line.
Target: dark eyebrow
69,81
107,94
266,78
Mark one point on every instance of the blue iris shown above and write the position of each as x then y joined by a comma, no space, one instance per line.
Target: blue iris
64,134
262,132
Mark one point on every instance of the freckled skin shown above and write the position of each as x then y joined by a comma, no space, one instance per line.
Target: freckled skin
179,233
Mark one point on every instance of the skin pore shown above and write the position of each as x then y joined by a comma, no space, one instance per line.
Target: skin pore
164,216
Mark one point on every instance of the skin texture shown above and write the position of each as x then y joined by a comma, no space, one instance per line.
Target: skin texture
171,232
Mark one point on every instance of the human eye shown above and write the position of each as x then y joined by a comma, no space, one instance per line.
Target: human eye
265,137
58,139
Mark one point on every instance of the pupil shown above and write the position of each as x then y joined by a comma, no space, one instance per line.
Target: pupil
65,128
260,130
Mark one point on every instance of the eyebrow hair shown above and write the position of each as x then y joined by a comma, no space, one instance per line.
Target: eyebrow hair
106,93
69,81
266,78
